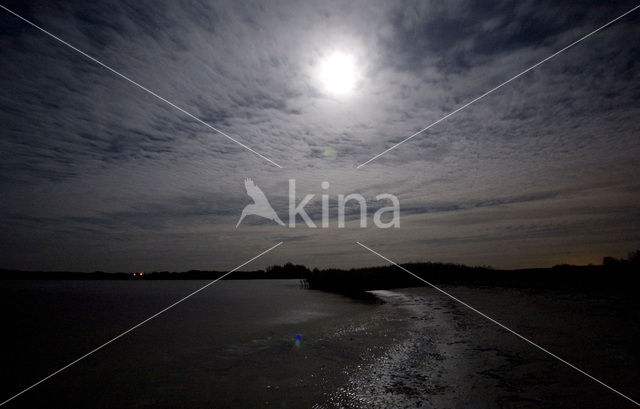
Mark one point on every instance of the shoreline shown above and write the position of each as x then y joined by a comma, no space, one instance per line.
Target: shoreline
450,357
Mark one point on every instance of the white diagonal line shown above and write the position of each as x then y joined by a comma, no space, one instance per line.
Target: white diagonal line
500,324
499,86
137,325
139,86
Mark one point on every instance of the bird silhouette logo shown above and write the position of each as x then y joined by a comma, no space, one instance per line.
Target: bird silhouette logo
260,206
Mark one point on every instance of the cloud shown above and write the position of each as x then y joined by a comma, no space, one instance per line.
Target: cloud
96,173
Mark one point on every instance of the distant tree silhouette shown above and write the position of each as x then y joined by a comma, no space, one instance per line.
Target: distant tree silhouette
632,261
614,275
289,270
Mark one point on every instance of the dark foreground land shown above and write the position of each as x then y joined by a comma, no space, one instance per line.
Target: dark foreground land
236,346
269,343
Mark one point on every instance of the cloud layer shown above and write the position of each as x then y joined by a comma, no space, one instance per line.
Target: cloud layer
98,174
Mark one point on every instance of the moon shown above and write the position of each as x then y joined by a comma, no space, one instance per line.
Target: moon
338,73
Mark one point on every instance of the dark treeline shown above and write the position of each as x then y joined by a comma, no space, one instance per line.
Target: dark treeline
288,271
614,274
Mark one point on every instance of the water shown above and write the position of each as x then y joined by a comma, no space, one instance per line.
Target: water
235,345
232,345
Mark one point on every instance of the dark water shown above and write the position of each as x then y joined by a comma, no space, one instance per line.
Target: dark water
234,346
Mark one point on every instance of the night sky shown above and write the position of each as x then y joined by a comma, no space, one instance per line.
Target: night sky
97,174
